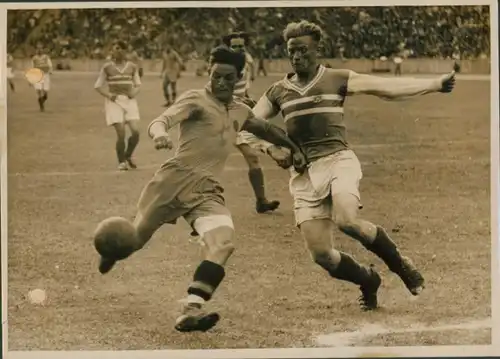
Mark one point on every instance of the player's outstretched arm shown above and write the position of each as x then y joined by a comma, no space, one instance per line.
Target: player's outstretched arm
391,88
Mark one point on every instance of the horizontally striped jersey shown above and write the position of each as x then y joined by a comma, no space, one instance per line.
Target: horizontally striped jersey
243,85
120,79
207,130
42,62
313,114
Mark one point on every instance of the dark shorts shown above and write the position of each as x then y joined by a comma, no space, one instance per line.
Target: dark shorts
174,192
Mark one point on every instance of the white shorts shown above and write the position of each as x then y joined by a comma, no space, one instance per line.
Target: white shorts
122,110
10,73
312,191
203,225
44,84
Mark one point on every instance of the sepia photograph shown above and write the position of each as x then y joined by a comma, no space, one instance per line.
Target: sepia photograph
259,176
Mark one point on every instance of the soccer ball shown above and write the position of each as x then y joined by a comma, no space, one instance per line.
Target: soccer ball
115,238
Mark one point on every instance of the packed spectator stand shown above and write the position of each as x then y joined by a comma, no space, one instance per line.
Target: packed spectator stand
354,32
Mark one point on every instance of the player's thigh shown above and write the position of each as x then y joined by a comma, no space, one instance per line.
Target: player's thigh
173,85
159,203
114,114
166,80
345,194
132,112
46,83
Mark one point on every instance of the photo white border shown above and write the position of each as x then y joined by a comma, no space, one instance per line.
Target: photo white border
421,351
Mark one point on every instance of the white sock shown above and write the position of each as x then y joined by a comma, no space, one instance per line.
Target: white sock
193,298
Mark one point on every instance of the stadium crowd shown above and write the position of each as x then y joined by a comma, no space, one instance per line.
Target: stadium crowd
354,32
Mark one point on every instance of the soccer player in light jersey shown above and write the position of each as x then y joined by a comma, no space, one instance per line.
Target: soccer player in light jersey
188,184
311,101
10,71
135,58
123,82
42,61
237,42
171,67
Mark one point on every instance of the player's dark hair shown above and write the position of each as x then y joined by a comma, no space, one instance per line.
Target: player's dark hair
224,55
121,44
303,28
226,40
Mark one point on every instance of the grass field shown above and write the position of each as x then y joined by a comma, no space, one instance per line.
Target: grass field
426,167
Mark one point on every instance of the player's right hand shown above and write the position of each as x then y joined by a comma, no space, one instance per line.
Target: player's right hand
163,141
282,156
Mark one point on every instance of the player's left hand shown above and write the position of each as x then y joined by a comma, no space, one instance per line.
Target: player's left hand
447,82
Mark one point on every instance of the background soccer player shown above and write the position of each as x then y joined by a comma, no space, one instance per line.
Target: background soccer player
123,82
171,68
10,71
237,42
311,100
134,57
42,61
187,185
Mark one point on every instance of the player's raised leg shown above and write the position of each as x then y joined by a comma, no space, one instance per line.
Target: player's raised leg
256,177
346,203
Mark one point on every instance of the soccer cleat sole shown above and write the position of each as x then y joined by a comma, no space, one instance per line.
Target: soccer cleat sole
197,324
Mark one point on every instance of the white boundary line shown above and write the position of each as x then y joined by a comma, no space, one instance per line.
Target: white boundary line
342,339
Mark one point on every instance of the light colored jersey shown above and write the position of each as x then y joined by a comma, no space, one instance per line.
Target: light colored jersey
314,114
243,85
42,62
171,64
120,79
207,131
135,58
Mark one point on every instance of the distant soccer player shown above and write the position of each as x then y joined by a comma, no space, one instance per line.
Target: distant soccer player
311,100
135,58
237,42
188,184
123,82
171,67
42,61
10,71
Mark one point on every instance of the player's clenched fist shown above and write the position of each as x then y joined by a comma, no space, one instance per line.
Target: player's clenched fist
299,162
281,155
163,141
447,82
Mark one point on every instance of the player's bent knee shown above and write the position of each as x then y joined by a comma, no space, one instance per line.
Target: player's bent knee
250,156
218,235
321,257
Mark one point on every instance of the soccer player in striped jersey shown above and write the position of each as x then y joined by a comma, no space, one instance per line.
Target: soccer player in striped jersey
122,79
10,71
311,101
42,61
135,58
189,184
237,42
171,67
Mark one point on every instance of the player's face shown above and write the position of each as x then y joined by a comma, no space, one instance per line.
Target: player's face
118,53
223,78
237,45
39,51
302,52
